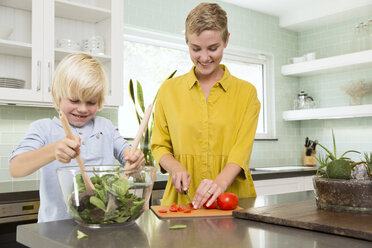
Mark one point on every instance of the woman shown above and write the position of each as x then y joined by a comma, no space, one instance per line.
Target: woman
205,121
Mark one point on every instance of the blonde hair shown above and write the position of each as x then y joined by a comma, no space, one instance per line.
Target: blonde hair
81,76
206,16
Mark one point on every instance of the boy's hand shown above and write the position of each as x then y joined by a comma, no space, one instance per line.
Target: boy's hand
136,160
67,149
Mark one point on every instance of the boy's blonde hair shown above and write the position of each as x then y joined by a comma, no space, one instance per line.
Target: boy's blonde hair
206,16
80,76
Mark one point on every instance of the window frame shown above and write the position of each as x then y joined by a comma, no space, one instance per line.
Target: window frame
172,41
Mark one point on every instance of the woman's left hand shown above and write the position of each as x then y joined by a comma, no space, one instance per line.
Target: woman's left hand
207,189
136,160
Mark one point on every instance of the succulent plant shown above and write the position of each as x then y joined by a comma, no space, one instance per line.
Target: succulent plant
146,139
335,167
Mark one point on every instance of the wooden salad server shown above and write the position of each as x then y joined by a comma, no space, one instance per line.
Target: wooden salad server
66,126
139,135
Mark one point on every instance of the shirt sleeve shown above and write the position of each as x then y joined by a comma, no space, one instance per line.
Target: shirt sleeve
160,139
240,152
33,140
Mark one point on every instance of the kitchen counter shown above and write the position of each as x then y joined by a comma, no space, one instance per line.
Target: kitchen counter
149,231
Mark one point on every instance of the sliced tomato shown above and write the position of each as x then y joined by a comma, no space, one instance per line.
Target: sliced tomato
173,208
163,211
181,208
187,211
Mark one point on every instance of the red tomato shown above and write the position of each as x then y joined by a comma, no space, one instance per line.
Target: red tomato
227,201
187,211
191,206
163,211
181,208
212,206
173,208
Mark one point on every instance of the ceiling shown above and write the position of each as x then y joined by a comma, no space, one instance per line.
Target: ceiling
300,15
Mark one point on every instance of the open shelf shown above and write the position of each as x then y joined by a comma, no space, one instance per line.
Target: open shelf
60,53
80,12
340,62
329,113
15,48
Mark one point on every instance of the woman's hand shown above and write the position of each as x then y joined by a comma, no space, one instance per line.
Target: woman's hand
207,189
136,160
181,178
67,149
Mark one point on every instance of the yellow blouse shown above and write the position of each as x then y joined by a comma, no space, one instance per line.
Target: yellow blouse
205,135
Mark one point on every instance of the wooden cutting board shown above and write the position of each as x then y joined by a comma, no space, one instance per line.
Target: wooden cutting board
306,215
194,213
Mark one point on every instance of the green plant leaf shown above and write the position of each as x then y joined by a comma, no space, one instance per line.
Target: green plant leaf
140,96
172,74
342,156
97,202
334,144
331,156
131,92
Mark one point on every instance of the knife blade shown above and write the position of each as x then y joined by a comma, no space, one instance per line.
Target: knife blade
185,192
188,197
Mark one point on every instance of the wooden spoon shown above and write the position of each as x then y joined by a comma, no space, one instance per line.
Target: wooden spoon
66,126
140,132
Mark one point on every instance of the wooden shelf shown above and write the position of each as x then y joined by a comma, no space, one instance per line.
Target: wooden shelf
15,48
329,113
80,12
335,63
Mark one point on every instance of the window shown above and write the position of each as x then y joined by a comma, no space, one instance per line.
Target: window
151,60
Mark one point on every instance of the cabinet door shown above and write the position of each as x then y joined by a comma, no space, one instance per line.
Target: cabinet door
48,50
21,45
80,25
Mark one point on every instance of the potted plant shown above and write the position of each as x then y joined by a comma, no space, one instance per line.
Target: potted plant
336,186
140,104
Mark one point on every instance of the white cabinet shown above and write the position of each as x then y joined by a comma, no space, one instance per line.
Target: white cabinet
326,65
30,52
283,185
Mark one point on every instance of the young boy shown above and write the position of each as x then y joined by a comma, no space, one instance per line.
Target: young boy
78,91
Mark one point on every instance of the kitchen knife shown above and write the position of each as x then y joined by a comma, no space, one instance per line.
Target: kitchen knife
188,197
185,192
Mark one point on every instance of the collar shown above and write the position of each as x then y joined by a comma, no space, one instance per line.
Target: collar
224,82
58,122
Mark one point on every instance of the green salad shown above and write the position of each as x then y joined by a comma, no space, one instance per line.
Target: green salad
110,203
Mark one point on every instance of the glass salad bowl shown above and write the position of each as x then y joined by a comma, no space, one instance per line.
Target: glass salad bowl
119,196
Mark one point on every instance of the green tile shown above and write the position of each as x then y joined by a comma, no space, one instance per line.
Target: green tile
5,175
6,187
5,150
25,185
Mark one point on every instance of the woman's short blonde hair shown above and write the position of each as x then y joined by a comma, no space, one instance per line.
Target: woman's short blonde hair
206,16
79,76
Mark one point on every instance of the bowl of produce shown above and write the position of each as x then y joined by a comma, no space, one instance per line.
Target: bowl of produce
118,196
